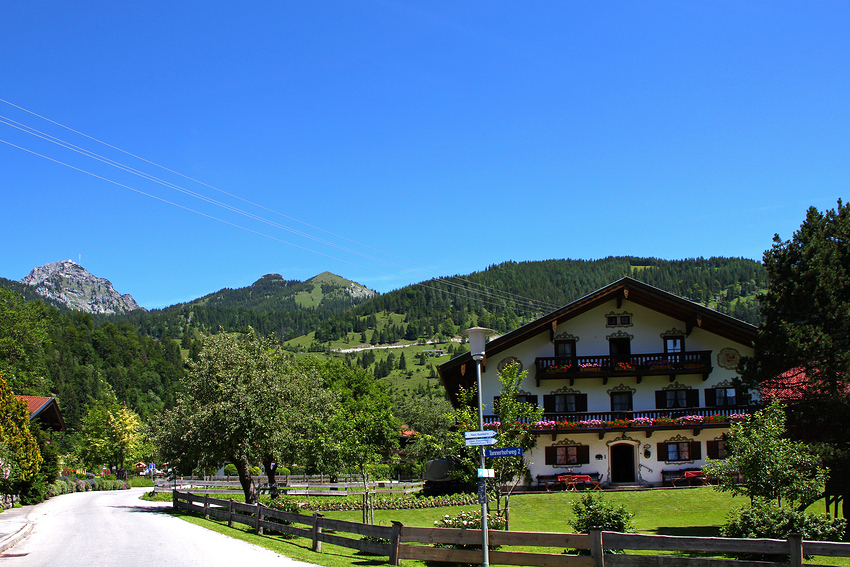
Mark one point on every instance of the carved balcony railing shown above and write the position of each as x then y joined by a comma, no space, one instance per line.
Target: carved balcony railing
642,420
639,365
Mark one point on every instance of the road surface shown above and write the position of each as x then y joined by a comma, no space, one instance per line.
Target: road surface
116,528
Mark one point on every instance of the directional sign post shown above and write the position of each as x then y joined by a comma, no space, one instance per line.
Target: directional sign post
480,441
479,434
506,452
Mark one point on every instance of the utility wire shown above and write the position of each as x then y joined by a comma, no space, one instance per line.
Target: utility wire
492,293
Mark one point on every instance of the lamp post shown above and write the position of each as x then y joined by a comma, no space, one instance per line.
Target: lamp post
477,338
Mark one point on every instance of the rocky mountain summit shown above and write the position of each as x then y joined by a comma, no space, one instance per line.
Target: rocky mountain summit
70,284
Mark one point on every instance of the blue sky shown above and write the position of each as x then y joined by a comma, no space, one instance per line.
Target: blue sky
418,139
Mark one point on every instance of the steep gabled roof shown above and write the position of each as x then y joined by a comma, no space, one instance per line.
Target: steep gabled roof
453,373
45,410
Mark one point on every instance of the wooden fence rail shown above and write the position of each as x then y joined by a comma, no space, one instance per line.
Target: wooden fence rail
406,542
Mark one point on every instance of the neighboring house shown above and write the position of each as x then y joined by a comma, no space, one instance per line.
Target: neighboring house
632,380
45,411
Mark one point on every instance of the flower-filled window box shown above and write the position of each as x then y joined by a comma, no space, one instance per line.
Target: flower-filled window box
624,366
660,364
590,367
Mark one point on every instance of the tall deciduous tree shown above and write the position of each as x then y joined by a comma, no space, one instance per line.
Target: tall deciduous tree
244,401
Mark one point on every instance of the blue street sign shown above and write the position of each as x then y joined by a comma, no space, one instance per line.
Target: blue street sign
479,441
506,452
479,434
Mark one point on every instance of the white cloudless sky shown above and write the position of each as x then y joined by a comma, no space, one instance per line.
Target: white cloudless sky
394,141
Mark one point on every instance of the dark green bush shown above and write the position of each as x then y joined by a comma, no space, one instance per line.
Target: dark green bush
591,511
767,520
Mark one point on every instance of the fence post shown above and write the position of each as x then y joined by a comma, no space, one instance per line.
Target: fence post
206,507
395,537
597,552
795,542
259,519
317,531
230,514
174,502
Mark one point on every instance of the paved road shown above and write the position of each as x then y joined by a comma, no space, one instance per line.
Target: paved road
116,528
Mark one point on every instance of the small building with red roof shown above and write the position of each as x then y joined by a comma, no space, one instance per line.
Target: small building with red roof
44,410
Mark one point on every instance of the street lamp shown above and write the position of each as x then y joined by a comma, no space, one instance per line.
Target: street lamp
477,339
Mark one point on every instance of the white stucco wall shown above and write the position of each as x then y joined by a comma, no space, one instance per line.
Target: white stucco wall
591,331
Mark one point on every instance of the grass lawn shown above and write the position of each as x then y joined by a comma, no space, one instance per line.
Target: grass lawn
696,511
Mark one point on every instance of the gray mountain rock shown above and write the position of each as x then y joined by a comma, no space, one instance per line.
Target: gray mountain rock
70,284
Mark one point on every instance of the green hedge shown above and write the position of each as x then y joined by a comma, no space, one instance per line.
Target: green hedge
341,503
66,485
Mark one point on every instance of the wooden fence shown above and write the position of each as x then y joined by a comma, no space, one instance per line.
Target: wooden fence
311,487
404,542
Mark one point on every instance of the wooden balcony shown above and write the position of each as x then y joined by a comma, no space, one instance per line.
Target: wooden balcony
648,421
638,365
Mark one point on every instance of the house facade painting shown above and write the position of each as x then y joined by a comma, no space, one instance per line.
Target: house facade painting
634,382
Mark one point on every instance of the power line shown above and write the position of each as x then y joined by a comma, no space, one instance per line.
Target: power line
526,304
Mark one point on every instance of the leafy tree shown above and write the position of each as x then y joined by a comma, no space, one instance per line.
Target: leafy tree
513,429
112,435
771,466
431,418
23,331
245,402
15,434
361,430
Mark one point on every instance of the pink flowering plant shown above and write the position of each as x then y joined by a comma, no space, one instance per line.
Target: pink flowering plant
686,420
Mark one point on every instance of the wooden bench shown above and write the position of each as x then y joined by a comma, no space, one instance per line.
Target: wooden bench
677,478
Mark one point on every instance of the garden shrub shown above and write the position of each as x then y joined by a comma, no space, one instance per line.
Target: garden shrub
230,470
592,511
763,519
282,471
255,471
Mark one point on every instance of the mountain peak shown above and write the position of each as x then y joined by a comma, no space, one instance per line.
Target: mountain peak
68,283
353,289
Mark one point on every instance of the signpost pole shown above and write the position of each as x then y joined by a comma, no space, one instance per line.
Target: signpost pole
477,339
482,481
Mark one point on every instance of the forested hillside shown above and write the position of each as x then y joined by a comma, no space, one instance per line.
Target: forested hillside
286,308
506,295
